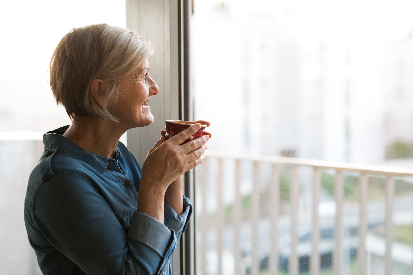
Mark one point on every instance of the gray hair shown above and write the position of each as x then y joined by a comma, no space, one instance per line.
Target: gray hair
93,52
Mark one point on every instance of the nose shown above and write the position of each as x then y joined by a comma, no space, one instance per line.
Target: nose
153,87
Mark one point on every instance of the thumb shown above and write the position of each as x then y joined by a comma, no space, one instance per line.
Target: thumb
159,142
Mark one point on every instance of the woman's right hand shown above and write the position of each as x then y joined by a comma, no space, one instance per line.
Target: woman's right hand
168,160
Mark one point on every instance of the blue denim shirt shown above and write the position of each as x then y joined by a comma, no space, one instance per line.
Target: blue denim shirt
80,214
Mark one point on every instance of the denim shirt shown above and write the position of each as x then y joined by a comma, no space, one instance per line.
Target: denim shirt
80,214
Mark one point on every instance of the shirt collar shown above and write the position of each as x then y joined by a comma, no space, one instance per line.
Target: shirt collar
54,140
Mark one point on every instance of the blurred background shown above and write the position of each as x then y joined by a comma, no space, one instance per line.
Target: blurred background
318,80
307,80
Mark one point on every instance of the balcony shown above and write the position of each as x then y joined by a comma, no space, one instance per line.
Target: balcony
278,215
323,217
19,152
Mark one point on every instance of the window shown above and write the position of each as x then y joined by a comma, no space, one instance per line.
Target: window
290,88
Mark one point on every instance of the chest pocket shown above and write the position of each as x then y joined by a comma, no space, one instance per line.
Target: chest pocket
125,218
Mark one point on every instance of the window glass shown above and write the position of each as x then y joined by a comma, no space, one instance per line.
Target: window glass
30,32
317,80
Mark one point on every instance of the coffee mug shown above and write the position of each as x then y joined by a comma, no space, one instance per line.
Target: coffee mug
173,127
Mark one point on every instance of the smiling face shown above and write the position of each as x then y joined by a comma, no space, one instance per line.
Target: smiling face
132,107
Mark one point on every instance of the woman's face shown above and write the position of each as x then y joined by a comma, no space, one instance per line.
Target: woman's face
132,107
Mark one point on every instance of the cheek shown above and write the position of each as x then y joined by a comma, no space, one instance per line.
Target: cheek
133,96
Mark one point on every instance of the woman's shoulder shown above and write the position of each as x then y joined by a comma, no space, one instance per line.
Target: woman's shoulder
64,163
54,162
52,167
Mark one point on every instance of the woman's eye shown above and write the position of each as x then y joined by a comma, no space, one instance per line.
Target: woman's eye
144,78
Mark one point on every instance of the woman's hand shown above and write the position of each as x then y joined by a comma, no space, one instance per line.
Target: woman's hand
168,160
207,123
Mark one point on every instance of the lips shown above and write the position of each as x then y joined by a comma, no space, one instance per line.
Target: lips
145,104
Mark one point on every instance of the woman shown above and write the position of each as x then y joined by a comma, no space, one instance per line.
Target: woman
89,207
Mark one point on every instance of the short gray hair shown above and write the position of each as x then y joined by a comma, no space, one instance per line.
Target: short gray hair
93,52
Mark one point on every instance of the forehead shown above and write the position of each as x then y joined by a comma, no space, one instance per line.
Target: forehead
142,68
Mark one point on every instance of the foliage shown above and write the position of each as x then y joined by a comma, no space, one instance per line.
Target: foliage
376,190
376,186
350,184
401,233
285,183
399,150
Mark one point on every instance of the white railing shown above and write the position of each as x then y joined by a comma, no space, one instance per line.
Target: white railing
290,245
19,153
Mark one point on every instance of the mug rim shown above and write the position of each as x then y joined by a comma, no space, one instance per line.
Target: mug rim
183,122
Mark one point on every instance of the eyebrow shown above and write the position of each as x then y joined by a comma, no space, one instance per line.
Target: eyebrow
140,71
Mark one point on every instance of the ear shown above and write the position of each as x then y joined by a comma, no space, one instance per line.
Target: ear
96,89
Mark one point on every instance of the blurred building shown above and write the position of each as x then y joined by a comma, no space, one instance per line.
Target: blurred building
287,89
398,117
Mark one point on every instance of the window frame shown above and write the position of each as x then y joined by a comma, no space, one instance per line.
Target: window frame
167,25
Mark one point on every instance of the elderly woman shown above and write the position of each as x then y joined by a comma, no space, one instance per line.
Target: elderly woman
89,207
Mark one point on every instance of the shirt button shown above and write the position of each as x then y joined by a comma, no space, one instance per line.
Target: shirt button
128,184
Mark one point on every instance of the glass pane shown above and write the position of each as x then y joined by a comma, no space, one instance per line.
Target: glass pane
30,32
286,84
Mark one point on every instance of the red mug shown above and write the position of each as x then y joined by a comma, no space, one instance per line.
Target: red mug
173,127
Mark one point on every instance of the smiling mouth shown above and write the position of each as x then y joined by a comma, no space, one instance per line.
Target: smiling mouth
145,105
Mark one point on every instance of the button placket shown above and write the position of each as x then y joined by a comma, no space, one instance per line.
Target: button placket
128,182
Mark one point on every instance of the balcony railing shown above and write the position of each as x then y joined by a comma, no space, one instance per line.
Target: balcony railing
228,242
19,153
257,241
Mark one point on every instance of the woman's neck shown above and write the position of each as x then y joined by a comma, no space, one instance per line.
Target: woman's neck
96,135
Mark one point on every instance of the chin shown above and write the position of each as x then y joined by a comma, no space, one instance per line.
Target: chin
145,121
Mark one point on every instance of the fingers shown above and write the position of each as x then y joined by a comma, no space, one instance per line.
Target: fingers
168,159
185,134
196,154
194,144
159,142
196,162
207,123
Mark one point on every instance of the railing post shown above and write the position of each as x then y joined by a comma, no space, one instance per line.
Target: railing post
389,224
255,219
338,195
294,197
315,232
220,214
274,247
362,224
237,219
275,200
204,215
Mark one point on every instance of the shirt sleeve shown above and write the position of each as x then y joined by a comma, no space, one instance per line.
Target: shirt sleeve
175,223
77,220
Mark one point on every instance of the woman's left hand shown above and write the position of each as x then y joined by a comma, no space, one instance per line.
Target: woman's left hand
163,138
169,159
207,123
166,161
159,142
